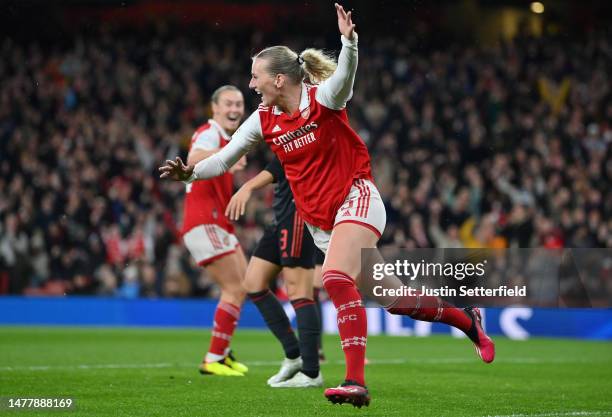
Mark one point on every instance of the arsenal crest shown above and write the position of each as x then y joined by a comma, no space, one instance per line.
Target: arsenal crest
306,113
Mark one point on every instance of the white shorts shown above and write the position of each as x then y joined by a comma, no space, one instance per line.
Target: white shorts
209,242
363,205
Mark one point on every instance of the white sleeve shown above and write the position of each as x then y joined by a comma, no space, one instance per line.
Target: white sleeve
247,135
207,140
334,92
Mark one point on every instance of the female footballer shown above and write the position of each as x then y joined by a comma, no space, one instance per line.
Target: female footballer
303,120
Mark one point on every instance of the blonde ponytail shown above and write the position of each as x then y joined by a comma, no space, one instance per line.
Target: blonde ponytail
312,65
318,66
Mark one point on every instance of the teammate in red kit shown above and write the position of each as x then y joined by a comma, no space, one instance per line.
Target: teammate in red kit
303,119
209,235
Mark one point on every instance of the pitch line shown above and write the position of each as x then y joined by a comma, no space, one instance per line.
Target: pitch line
87,367
399,361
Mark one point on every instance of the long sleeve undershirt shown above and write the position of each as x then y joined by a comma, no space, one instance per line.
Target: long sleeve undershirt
332,93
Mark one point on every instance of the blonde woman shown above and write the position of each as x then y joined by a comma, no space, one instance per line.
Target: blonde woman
303,120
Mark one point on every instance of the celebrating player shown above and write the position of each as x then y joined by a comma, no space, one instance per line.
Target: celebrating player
328,168
209,236
285,246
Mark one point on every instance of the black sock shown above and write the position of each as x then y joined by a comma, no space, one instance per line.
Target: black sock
317,301
309,327
277,321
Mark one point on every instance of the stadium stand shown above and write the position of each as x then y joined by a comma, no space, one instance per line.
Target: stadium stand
473,146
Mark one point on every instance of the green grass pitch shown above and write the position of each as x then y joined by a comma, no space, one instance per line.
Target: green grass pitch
152,372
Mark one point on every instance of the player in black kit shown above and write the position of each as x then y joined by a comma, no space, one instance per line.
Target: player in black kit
288,247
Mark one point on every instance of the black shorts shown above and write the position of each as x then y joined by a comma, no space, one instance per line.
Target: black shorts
287,244
319,257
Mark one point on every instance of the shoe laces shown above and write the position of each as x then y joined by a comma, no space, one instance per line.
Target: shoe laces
473,313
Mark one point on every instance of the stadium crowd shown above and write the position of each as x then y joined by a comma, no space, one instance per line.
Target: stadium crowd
473,146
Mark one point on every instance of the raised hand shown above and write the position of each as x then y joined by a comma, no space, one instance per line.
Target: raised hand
176,170
345,22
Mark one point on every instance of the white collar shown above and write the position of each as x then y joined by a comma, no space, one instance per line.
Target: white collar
304,100
221,131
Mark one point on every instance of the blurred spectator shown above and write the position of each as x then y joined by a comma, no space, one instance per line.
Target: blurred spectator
471,147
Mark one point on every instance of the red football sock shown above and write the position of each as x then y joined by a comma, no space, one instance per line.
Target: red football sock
226,318
352,322
428,308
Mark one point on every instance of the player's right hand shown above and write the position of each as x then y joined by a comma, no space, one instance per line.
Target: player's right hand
176,170
237,204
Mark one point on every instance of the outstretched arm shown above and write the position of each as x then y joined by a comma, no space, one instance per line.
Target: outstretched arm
338,89
247,135
206,144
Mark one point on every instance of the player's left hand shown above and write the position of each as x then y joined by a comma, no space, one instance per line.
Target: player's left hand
237,205
176,170
345,22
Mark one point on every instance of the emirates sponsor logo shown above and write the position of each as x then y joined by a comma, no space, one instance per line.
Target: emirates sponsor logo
294,134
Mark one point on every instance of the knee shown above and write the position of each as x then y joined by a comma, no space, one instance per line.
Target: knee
234,299
234,294
254,283
253,286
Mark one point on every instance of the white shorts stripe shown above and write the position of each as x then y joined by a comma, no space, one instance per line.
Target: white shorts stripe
210,238
360,200
215,237
366,199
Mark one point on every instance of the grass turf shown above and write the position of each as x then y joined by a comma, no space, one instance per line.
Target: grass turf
152,372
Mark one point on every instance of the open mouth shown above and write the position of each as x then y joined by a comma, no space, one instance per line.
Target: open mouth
233,117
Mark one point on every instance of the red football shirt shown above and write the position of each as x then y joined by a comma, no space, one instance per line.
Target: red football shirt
206,200
321,155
